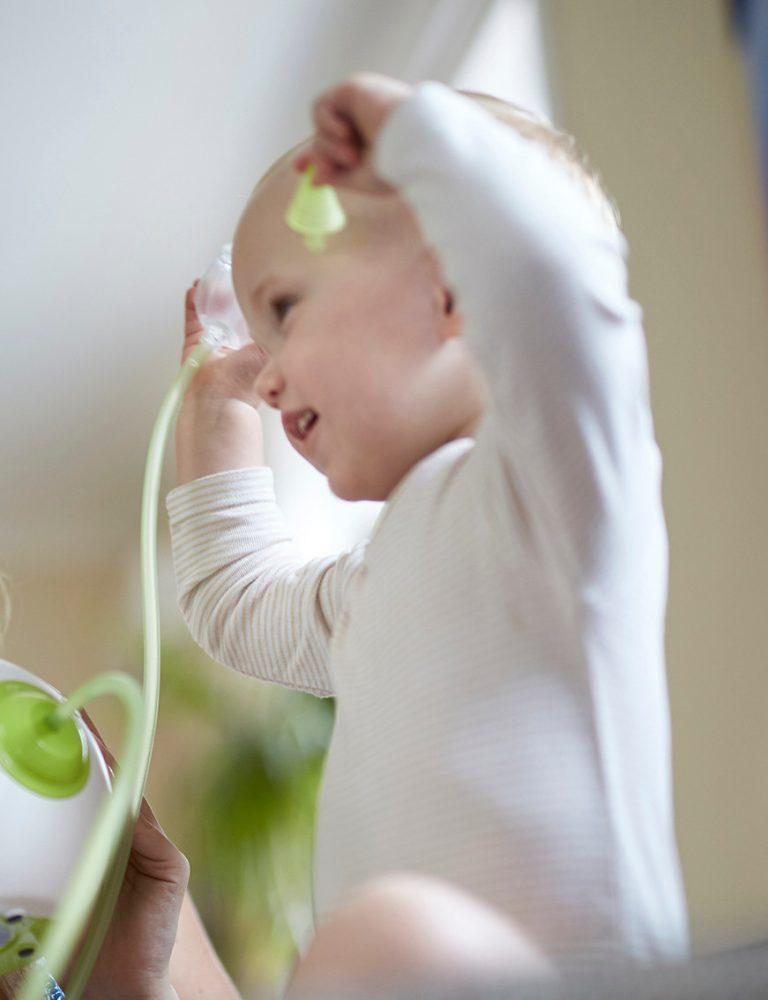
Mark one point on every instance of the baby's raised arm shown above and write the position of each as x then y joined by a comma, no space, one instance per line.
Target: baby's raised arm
541,280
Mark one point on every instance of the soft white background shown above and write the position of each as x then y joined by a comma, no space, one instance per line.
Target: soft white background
132,136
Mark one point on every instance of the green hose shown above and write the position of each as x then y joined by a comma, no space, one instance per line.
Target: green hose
67,925
99,874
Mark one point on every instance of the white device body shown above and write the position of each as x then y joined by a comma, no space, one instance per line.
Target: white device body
42,838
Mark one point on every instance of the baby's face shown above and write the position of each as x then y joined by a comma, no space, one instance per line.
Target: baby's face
358,333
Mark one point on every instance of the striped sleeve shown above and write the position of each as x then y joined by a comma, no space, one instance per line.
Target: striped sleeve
249,598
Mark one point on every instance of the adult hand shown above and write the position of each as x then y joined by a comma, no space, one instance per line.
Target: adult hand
133,963
348,117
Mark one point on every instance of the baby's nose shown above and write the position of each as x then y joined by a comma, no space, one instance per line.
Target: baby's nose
270,384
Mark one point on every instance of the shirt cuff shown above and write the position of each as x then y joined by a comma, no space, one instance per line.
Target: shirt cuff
414,116
255,483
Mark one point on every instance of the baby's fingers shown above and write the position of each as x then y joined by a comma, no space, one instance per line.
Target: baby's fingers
337,152
193,328
337,146
192,324
335,123
334,160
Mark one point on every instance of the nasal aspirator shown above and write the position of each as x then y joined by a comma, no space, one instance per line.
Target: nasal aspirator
66,826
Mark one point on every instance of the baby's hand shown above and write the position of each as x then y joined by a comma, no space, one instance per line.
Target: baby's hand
218,426
228,373
348,117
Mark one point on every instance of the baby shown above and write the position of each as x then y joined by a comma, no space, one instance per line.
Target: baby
466,350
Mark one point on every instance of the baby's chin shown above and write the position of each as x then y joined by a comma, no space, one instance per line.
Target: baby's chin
350,485
356,480
343,483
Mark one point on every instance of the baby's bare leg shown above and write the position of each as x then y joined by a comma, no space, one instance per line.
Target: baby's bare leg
412,929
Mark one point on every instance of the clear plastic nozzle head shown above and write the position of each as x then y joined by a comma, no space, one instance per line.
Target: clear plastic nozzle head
217,307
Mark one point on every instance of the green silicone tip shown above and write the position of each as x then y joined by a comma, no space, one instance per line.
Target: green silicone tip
52,761
20,938
315,212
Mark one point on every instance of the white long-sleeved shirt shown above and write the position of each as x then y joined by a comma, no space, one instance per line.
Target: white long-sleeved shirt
496,648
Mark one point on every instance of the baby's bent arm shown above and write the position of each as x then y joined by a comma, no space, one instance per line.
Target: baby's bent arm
249,598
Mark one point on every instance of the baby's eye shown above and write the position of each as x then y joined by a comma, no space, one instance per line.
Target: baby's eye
280,303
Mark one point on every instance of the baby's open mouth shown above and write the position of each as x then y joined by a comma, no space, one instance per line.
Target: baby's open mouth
305,421
299,423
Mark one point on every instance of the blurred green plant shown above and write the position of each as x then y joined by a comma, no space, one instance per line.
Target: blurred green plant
248,808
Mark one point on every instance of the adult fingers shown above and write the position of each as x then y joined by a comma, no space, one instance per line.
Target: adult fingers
146,811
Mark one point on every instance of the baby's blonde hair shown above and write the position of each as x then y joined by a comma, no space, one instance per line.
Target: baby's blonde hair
560,145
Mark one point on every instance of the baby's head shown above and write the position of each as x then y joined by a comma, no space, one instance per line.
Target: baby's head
366,334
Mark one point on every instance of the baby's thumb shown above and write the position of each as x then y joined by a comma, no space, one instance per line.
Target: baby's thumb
193,328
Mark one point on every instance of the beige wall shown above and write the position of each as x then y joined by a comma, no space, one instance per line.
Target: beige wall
655,92
64,618
72,621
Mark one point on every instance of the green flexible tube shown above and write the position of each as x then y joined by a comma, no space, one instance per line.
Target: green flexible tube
108,846
151,620
66,927
151,609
